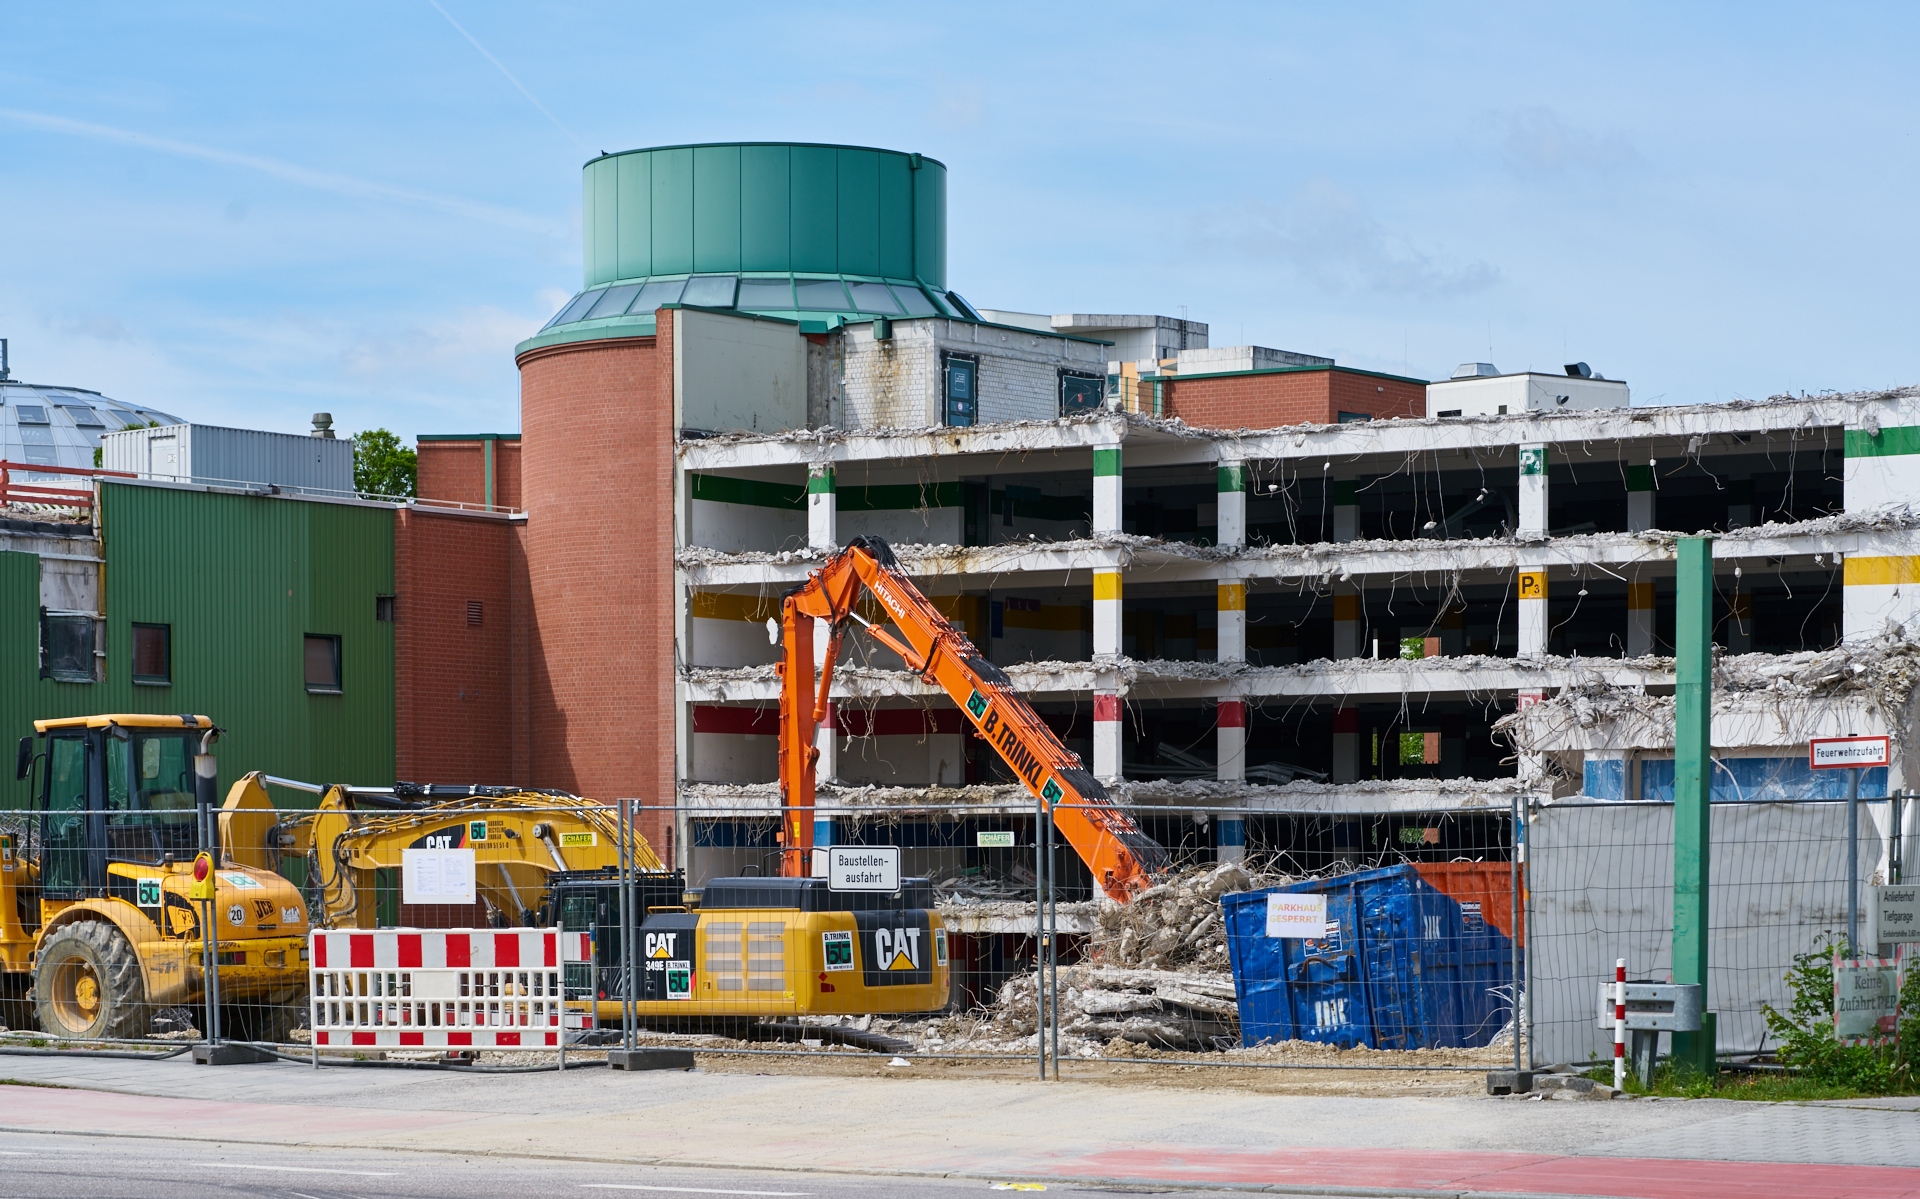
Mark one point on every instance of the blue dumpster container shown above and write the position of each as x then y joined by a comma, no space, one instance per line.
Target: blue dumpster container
1413,957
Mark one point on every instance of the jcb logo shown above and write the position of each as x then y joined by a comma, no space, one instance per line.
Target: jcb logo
897,948
661,945
263,909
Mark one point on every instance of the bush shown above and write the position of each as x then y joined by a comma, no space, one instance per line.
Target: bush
1805,1029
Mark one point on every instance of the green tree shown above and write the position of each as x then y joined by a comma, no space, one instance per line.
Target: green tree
383,466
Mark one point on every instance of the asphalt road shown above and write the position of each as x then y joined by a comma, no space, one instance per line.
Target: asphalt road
87,1167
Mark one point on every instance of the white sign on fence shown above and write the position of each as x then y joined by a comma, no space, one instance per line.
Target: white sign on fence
436,876
1866,1000
1296,915
1836,753
863,868
998,840
1893,914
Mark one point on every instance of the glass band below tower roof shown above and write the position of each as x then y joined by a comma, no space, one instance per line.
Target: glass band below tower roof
832,299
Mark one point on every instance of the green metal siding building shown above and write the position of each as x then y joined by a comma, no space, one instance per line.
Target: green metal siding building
239,582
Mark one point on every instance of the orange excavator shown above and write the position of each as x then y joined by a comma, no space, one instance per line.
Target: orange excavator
1123,859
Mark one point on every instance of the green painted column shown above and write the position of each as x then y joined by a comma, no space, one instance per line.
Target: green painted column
1692,784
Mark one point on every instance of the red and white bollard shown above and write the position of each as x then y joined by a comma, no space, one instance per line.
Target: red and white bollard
1620,1024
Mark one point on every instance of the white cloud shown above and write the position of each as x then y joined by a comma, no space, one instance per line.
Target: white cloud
1329,238
468,347
1538,142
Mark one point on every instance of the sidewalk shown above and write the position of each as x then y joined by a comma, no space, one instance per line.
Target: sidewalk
909,1124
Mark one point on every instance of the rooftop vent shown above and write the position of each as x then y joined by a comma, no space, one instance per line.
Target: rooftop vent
1580,370
323,424
1474,370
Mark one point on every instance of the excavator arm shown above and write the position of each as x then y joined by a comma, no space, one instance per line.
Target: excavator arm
1123,859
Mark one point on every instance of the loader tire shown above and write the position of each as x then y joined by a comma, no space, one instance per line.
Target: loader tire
88,984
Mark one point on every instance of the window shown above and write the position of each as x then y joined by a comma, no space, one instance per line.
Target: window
153,655
66,647
473,612
612,302
323,664
573,311
83,416
383,608
1354,418
1081,392
913,301
765,294
32,414
962,374
1449,412
874,297
706,291
654,295
822,295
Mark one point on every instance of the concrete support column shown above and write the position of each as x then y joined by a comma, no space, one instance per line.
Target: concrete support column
1533,491
1346,621
826,739
822,508
1346,510
1346,745
1740,621
1533,613
1230,631
1106,736
822,838
1230,510
1107,481
1230,724
1230,833
1640,510
1639,619
1106,612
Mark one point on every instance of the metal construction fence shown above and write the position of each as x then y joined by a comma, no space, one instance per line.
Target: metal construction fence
1302,940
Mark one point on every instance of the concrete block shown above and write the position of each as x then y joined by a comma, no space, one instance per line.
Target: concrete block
230,1053
650,1059
1509,1082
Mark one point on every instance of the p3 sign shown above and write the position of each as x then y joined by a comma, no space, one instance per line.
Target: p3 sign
897,947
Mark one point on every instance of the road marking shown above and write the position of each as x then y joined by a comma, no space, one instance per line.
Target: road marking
634,1186
302,1195
299,1169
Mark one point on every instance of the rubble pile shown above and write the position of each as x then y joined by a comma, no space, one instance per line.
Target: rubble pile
1175,925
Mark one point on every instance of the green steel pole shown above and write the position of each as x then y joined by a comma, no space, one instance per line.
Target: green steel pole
1692,783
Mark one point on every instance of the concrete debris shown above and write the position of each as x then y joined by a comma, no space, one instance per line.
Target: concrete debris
1879,675
44,515
1103,1012
1177,924
829,436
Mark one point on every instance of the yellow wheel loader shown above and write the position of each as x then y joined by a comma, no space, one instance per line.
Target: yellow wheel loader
96,927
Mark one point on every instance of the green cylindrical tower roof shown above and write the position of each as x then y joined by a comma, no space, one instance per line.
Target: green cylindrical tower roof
746,207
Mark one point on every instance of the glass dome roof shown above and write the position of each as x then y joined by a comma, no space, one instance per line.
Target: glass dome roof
830,300
61,426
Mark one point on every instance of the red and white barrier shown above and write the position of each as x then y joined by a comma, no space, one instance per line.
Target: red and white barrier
438,988
1620,1024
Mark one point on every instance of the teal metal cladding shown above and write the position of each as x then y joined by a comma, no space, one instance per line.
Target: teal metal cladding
761,206
240,581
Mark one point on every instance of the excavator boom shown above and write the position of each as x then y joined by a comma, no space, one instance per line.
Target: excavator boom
1123,859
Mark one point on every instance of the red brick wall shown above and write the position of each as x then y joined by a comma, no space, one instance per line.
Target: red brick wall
456,471
1263,401
599,553
454,682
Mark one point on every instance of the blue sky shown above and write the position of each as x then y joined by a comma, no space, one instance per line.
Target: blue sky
248,213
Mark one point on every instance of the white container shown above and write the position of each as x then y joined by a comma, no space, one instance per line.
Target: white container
211,455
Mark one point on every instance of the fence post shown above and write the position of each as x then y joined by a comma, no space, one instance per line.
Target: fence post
1514,927
1053,946
1692,786
1039,934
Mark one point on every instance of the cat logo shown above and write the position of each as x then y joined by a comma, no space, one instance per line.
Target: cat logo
899,948
660,945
